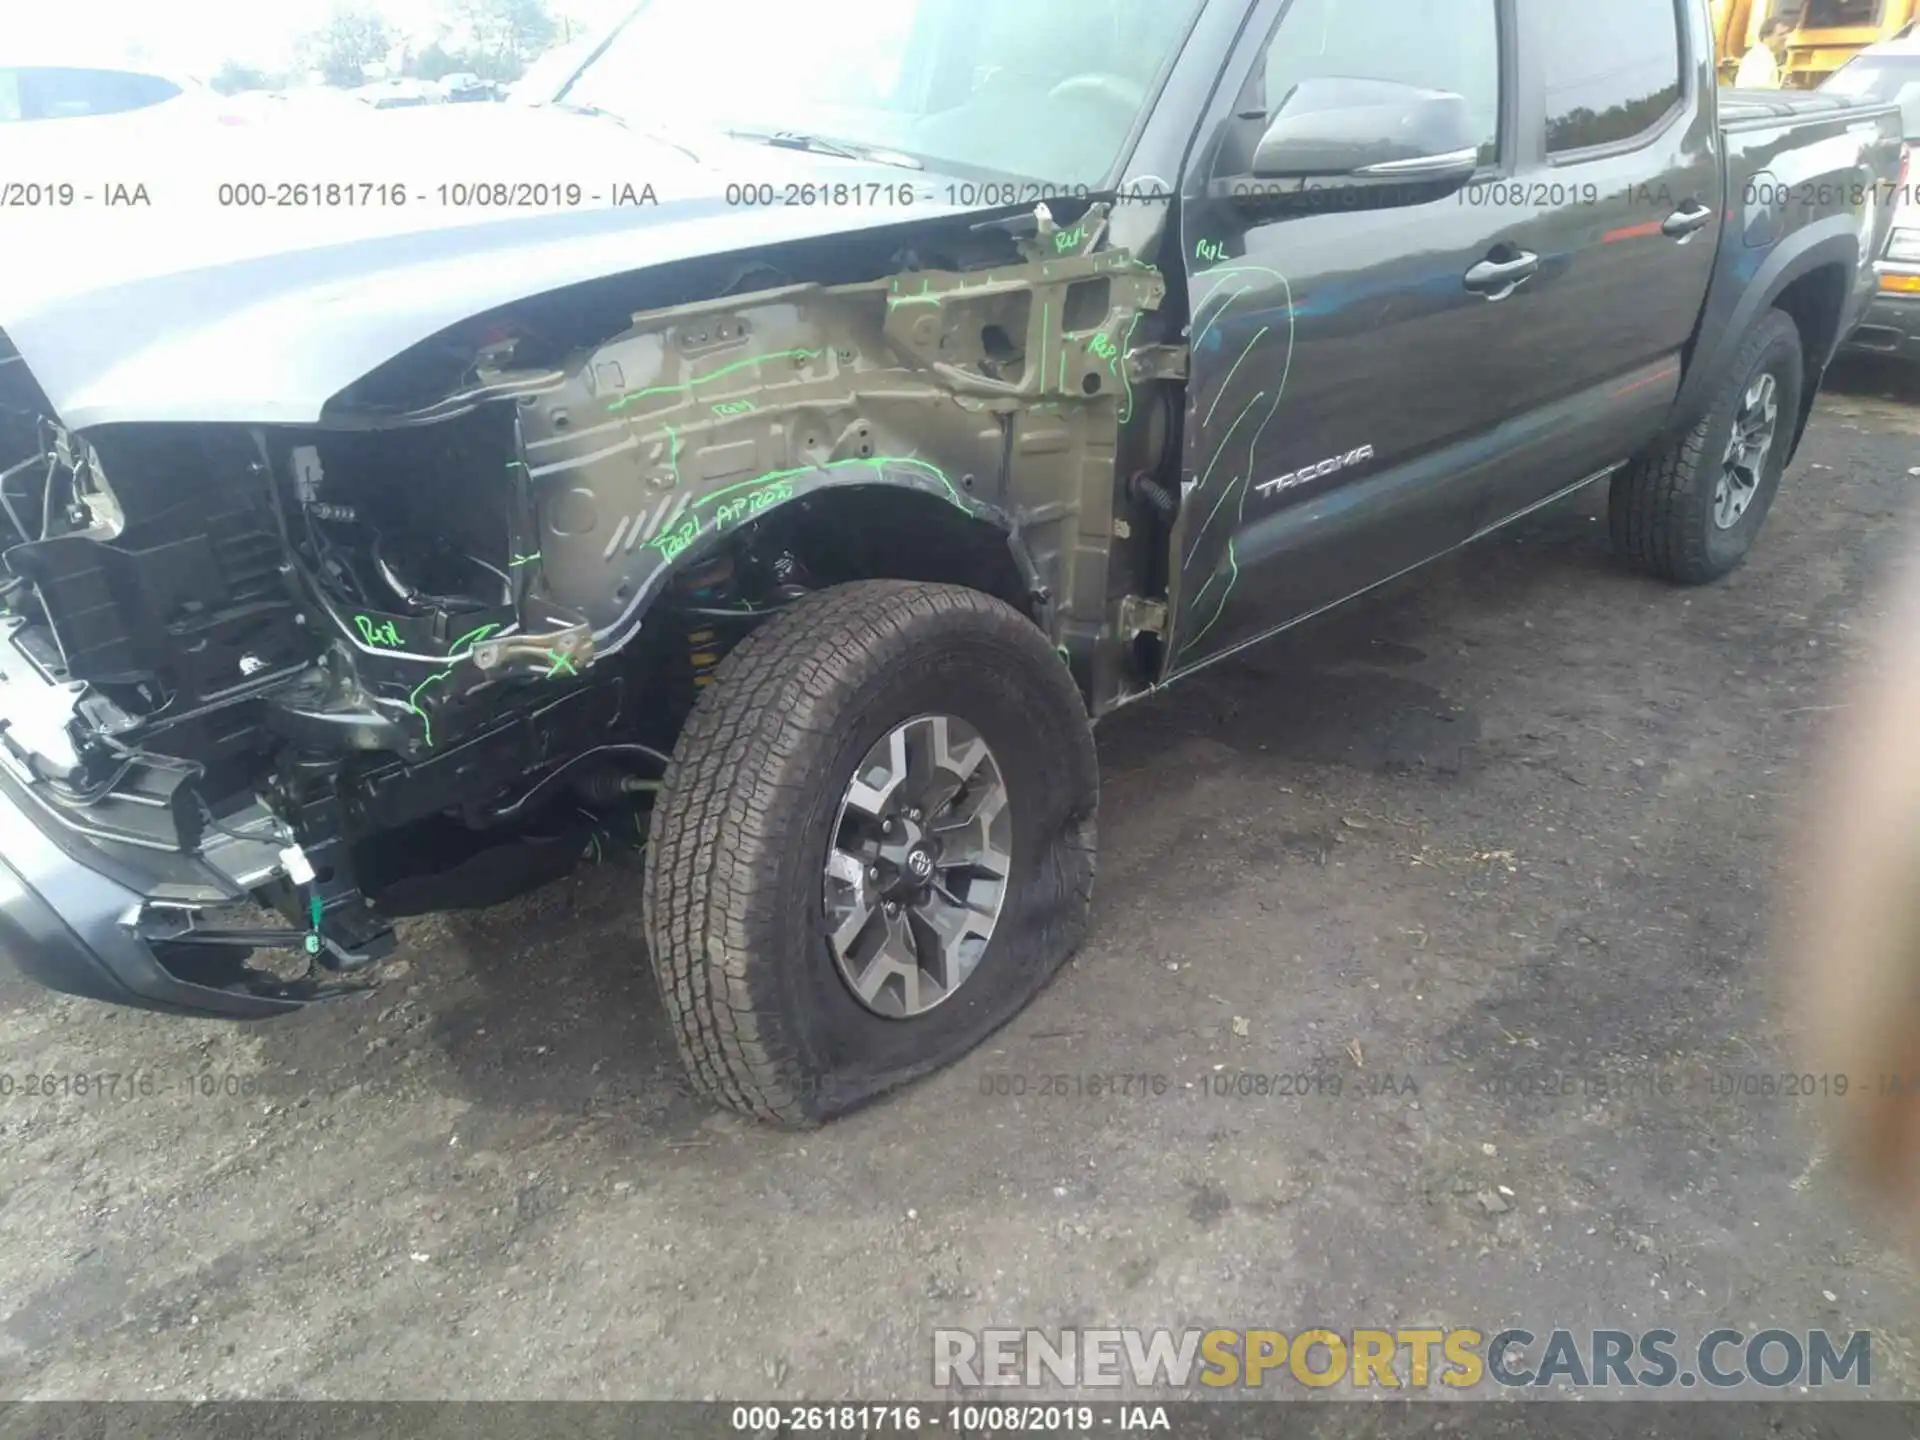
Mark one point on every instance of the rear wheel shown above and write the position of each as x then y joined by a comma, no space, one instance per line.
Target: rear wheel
874,845
1690,511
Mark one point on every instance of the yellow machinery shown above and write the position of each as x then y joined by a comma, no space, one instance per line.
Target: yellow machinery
1828,34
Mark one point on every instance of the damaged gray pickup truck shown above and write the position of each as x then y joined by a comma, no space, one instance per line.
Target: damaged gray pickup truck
958,388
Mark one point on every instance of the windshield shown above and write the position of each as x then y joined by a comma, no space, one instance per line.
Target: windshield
1044,90
1895,80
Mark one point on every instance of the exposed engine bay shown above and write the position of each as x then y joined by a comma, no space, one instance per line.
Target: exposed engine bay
436,649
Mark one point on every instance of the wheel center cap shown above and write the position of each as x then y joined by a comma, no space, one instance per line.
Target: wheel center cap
920,863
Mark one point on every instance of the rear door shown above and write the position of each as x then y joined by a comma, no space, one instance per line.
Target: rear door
1344,390
1619,169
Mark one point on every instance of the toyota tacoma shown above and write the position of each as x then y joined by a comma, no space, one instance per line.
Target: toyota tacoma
792,514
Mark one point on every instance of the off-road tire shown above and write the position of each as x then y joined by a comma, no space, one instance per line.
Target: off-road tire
735,913
1660,507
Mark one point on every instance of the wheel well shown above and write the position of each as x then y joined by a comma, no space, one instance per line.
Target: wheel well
873,532
1814,302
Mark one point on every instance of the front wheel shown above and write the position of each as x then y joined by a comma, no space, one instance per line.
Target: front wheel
1690,511
874,845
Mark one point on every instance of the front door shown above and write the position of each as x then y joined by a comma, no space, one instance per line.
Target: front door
1344,381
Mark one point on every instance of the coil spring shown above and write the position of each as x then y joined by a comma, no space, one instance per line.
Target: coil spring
709,585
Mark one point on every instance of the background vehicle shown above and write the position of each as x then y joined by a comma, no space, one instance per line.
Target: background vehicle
1891,72
1035,357
399,94
466,88
1829,33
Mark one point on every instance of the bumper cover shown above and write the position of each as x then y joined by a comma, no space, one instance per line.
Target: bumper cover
1891,327
71,929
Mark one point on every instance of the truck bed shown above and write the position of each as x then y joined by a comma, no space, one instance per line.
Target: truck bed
1740,108
1809,176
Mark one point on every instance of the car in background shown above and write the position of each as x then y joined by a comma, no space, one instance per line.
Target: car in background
1891,71
399,94
67,91
467,87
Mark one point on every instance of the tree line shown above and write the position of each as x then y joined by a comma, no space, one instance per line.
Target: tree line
493,39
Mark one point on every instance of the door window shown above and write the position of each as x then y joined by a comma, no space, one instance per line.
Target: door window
1613,71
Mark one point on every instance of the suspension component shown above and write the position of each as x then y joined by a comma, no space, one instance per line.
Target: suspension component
710,586
1144,489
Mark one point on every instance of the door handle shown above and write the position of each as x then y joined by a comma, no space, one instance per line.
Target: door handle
1497,279
1686,221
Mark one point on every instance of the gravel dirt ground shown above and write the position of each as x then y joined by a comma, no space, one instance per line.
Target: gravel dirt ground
1522,816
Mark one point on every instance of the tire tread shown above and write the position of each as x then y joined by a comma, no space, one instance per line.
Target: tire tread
722,821
1651,506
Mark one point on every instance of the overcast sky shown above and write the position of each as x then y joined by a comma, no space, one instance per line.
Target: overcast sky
197,35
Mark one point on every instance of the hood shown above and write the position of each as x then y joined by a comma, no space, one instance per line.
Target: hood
248,274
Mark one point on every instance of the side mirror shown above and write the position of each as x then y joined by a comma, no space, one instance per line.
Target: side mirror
1364,135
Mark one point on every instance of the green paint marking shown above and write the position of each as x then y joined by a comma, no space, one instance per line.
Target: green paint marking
733,407
562,665
520,560
671,542
687,386
1217,280
1209,250
1066,240
771,487
1245,482
1231,560
1233,579
376,632
1229,435
750,504
314,907
1231,373
1126,349
1286,371
454,657
1126,379
1214,318
673,455
765,491
1063,367
925,297
861,462
1225,494
1212,580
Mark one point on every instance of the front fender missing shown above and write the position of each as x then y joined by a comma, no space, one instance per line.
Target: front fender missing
1000,392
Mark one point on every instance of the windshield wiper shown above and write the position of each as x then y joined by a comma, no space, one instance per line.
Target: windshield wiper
826,145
